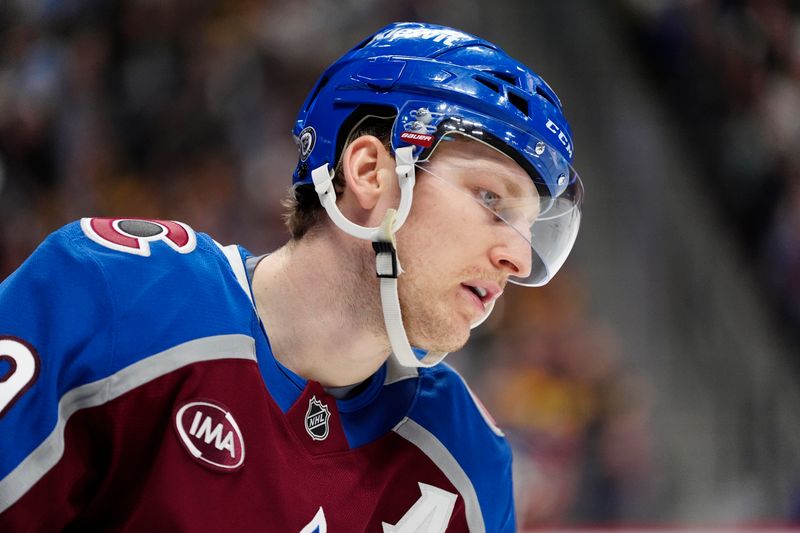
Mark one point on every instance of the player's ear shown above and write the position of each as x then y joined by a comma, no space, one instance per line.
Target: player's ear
368,170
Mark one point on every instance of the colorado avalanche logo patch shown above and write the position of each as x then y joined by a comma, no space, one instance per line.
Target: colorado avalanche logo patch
306,141
135,235
210,434
317,418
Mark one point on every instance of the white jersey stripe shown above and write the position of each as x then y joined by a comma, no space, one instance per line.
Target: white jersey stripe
232,255
49,452
441,456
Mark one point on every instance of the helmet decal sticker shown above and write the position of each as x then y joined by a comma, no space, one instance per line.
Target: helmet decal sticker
419,126
446,36
562,137
306,141
418,139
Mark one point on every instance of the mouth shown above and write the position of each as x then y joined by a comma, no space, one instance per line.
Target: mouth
482,292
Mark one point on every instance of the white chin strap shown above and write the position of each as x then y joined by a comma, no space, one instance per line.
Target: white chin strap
387,264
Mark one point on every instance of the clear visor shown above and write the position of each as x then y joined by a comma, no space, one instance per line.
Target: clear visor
547,224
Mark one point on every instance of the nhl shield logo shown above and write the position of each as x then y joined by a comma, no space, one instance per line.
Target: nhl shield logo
317,418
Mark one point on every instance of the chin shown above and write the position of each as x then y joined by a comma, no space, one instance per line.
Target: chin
434,327
450,340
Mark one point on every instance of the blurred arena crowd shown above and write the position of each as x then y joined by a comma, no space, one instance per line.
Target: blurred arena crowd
731,71
182,109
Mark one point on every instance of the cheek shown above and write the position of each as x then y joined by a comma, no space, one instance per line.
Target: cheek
445,210
429,229
431,257
443,226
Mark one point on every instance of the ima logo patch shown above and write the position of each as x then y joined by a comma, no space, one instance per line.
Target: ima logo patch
317,418
210,434
135,235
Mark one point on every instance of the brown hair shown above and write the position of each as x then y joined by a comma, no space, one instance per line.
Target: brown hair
303,210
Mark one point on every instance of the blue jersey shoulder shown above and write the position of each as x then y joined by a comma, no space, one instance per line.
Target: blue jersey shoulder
97,296
448,409
166,284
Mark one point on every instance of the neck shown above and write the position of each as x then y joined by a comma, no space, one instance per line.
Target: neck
318,299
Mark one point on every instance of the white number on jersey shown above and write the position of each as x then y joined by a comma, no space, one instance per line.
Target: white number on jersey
430,514
23,369
317,524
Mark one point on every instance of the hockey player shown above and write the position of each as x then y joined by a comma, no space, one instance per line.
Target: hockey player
153,379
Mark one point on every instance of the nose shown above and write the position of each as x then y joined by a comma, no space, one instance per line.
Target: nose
511,253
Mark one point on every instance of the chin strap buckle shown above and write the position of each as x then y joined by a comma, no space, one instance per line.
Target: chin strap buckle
386,263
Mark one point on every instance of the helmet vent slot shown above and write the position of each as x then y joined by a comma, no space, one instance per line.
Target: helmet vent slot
519,102
488,83
508,78
544,94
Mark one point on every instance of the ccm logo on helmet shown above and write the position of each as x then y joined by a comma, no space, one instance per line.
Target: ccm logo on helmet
561,135
134,235
209,433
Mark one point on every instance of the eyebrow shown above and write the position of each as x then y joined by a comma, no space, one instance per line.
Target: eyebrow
514,188
511,184
515,191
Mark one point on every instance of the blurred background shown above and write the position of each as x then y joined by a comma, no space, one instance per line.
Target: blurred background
655,380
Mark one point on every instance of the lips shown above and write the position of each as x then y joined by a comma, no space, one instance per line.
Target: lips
482,292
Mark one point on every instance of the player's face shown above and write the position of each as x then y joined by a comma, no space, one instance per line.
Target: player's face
457,256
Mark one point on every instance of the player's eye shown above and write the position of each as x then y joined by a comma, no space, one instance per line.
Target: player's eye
489,199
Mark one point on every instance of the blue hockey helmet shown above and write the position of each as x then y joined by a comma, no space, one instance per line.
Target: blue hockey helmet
437,82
